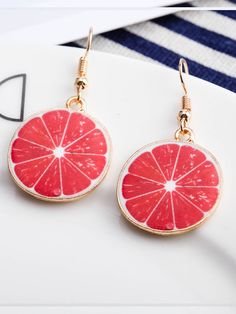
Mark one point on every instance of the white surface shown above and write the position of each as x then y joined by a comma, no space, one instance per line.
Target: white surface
57,26
56,22
85,253
118,310
86,3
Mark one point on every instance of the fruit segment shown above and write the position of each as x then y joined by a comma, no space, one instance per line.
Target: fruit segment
189,158
203,198
23,150
50,183
169,187
55,122
145,166
35,131
92,143
135,186
30,171
59,155
141,207
203,175
90,165
165,156
78,125
73,180
186,214
162,216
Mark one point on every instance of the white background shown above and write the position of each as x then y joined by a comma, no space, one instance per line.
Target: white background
56,22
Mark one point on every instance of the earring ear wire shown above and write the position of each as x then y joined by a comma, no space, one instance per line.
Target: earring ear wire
183,69
81,81
185,113
89,42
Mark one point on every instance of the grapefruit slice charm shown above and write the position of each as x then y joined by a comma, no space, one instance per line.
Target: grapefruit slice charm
59,155
169,187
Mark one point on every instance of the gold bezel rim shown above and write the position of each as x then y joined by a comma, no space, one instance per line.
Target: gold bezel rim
129,218
60,199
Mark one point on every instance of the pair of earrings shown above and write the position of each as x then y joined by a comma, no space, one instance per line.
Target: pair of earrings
166,187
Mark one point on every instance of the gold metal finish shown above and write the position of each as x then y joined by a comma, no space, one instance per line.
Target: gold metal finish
184,133
81,80
75,100
183,68
89,42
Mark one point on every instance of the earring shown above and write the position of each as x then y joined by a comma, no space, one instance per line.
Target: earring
170,187
62,154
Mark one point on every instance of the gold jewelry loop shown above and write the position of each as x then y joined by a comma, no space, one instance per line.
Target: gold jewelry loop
183,124
183,68
79,91
74,100
184,135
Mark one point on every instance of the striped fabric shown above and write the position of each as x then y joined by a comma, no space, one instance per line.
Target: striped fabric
207,39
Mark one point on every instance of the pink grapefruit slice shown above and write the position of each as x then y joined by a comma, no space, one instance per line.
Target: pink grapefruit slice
169,187
59,155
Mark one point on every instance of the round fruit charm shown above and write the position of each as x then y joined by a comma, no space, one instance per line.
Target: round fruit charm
169,187
60,155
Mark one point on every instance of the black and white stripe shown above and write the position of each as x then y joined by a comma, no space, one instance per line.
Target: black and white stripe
207,39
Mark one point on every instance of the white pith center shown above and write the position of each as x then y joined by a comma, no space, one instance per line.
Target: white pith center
170,186
59,152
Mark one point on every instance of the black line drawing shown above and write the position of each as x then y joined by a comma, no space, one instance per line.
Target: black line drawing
22,105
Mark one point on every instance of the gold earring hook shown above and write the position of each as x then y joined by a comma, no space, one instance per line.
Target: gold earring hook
81,80
83,63
184,133
183,68
89,42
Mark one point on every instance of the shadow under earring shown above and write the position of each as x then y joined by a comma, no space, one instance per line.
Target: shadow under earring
170,187
62,154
